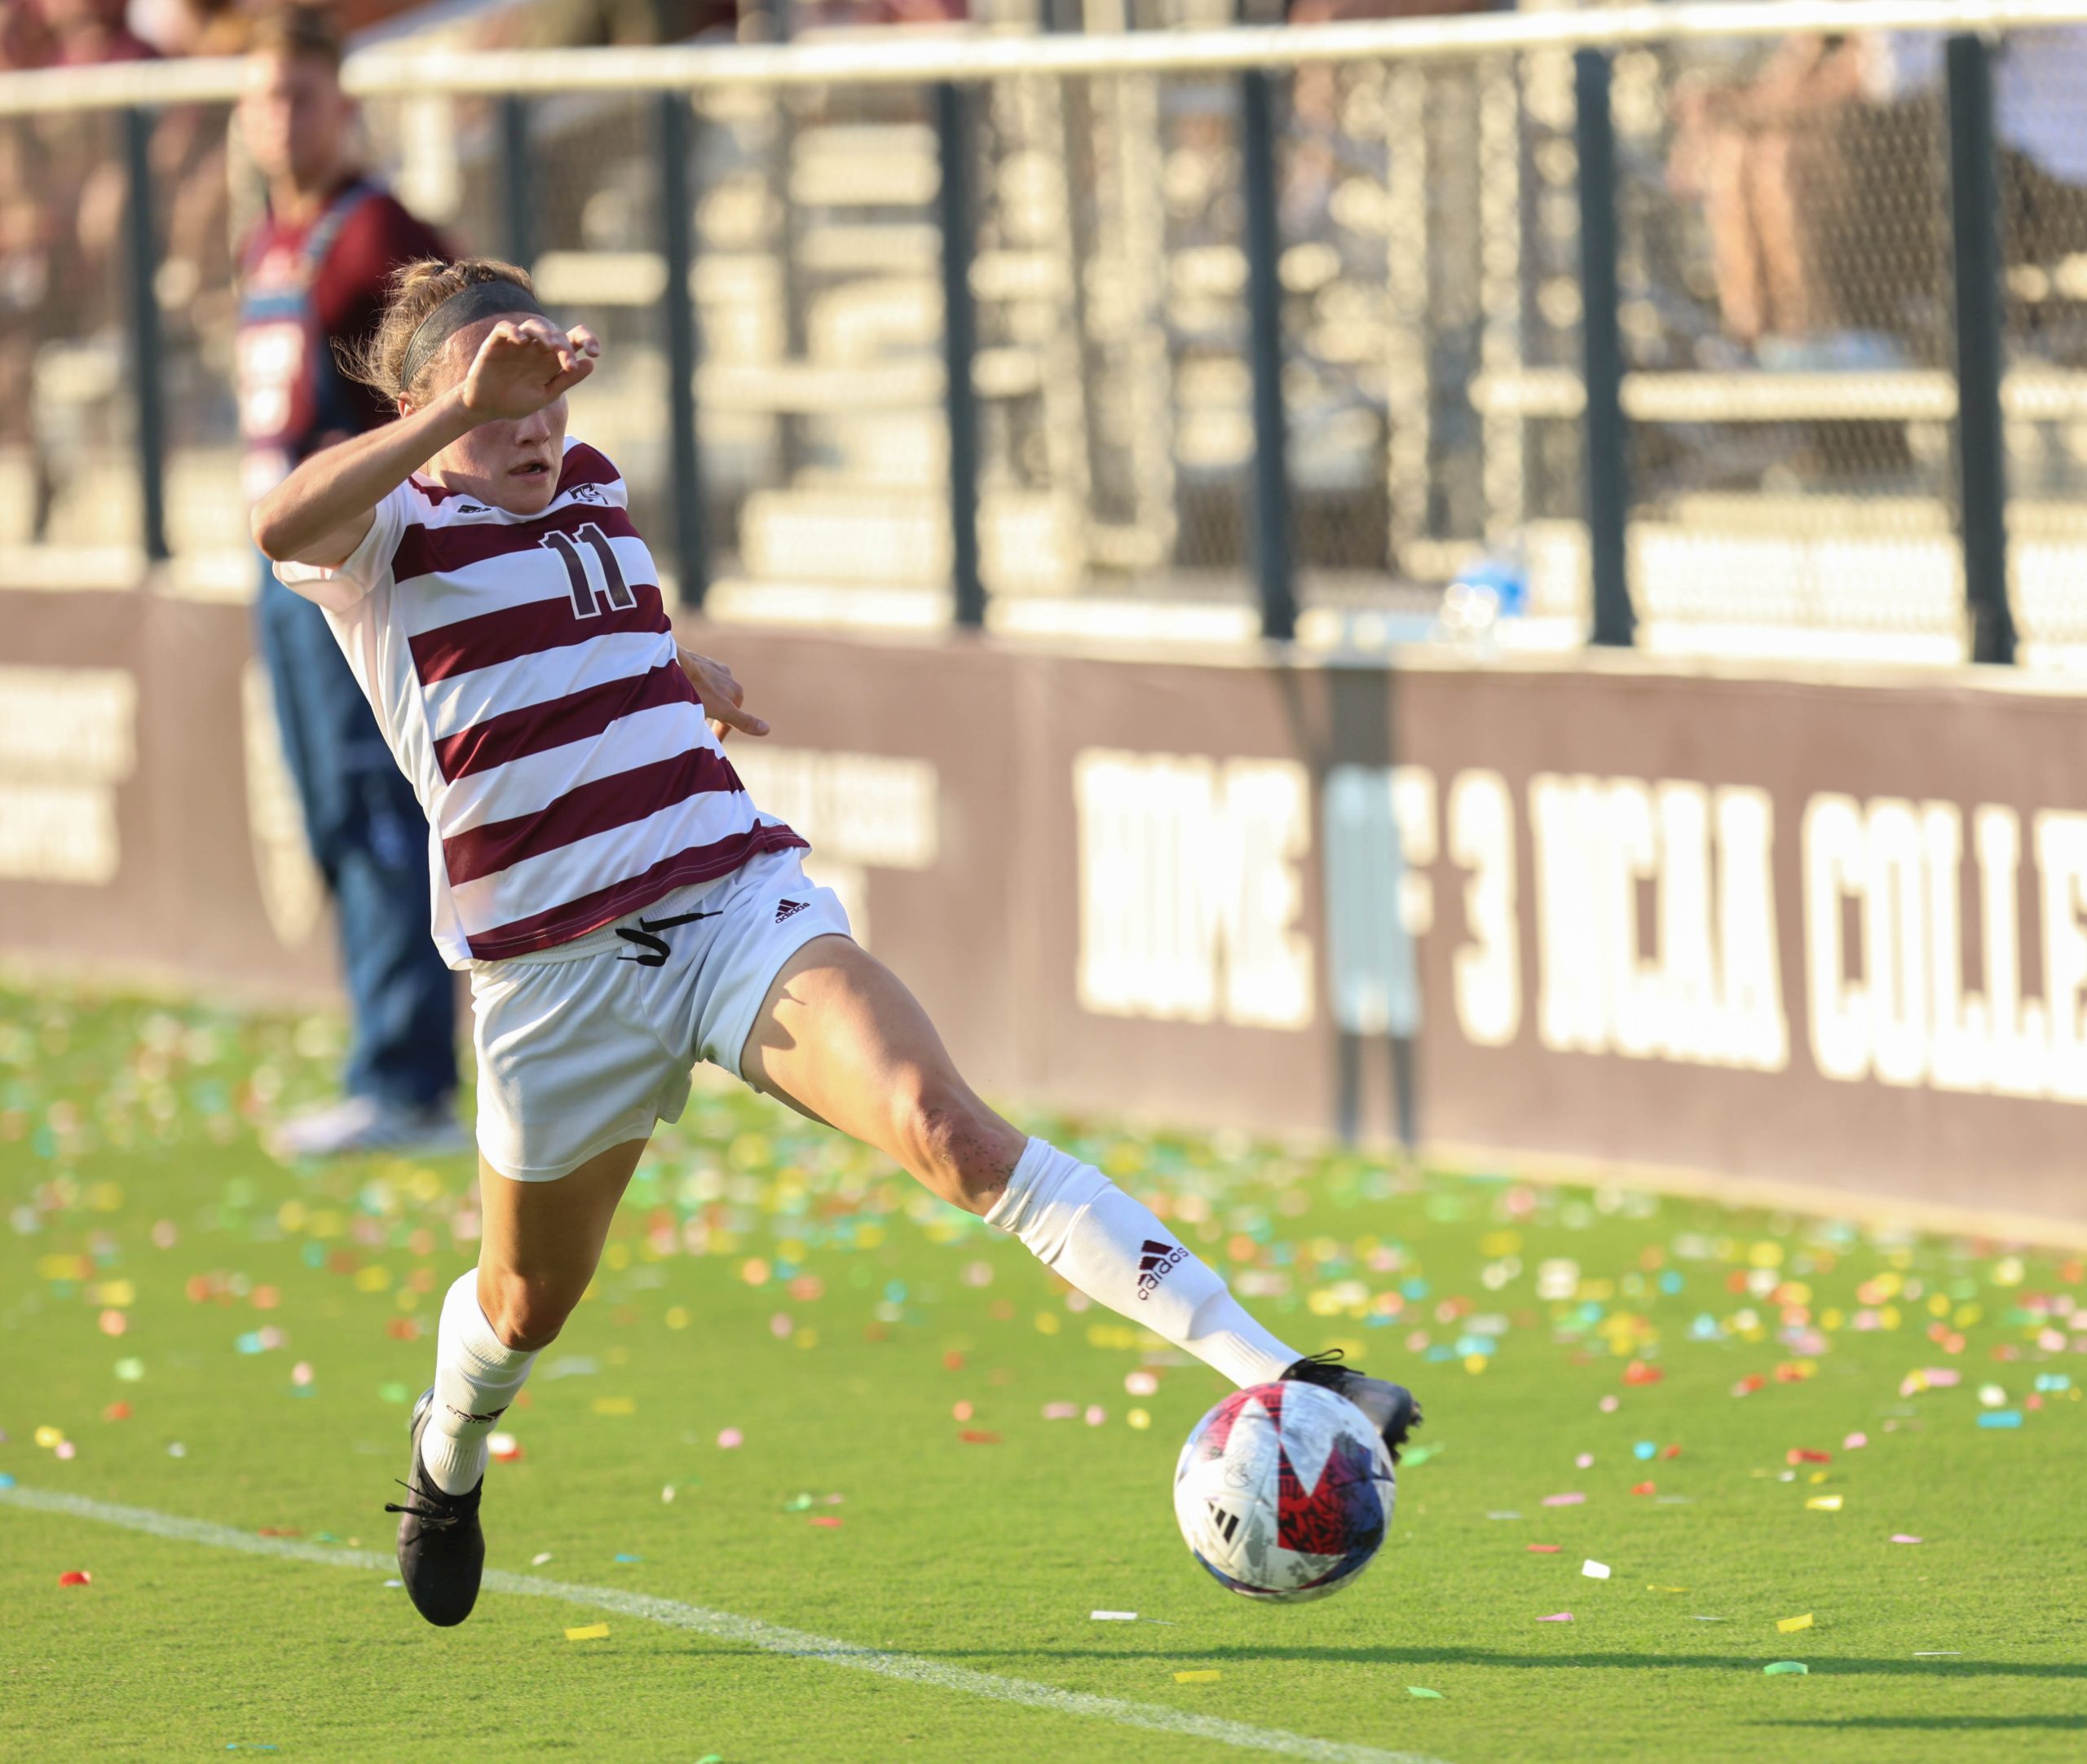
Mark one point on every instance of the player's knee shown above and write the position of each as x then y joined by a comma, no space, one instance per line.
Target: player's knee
524,1315
949,1139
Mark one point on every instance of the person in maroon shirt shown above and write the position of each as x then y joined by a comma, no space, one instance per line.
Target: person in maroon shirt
314,277
90,32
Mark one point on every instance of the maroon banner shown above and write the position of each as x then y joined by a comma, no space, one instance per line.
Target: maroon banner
1827,933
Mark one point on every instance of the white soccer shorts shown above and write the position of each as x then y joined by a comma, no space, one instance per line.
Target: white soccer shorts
586,1045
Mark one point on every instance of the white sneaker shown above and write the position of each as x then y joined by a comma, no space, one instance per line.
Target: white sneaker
359,1124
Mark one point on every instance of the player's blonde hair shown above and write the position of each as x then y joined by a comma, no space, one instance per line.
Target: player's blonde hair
416,290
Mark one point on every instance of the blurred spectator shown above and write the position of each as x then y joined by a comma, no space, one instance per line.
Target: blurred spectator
25,40
89,32
593,24
213,28
1824,185
1769,159
313,278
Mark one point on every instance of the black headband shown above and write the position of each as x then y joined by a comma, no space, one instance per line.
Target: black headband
472,301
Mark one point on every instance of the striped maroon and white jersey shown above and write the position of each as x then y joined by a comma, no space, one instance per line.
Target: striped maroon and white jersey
524,674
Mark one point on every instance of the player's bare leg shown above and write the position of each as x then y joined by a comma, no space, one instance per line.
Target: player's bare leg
840,1039
540,1245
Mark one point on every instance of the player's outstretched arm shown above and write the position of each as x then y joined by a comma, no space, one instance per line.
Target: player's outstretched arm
320,514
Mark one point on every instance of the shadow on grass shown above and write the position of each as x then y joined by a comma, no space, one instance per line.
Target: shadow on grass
1941,1723
1840,1665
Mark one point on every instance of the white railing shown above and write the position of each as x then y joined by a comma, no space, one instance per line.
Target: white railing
909,57
1507,393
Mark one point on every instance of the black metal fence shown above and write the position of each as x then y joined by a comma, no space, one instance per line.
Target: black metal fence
1658,340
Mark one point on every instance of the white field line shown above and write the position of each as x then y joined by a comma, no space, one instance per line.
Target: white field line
721,1625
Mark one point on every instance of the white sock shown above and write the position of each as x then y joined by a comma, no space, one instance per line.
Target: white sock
476,1376
1079,1223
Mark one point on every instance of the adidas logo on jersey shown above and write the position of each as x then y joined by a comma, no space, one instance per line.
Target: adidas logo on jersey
473,508
789,909
1155,1263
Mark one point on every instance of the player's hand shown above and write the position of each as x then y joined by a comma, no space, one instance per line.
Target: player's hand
723,695
525,363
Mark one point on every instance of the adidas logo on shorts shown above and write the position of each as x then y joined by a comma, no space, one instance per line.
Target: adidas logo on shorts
787,909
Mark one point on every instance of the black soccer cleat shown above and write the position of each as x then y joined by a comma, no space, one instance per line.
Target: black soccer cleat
1391,1407
442,1552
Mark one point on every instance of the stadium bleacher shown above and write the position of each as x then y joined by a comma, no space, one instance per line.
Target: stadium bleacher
1791,494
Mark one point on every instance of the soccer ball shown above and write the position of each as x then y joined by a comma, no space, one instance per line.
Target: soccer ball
1284,1492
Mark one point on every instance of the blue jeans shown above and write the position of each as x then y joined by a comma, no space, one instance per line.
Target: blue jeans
370,840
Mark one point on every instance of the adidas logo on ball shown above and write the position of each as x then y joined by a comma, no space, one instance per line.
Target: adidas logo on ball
1154,1264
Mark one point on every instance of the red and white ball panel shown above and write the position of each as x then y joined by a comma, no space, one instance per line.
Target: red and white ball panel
1284,1492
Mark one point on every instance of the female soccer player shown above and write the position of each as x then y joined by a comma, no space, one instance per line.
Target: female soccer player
621,907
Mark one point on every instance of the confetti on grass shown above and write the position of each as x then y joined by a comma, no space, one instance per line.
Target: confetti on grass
587,1632
1780,1667
1417,1690
75,1577
1906,1538
1594,1571
1790,1625
1557,1616
1113,1616
1207,1675
1563,1500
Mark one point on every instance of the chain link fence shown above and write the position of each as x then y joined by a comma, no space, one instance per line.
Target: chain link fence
67,463
1785,308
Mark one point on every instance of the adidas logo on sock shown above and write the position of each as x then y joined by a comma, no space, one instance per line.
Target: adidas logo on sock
1155,1263
786,909
471,1420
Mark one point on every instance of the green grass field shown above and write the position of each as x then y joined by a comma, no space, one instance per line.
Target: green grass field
188,1328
